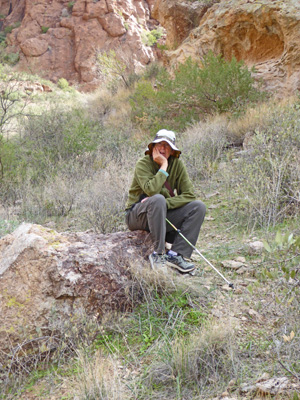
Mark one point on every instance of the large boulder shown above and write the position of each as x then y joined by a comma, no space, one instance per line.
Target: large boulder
44,274
265,34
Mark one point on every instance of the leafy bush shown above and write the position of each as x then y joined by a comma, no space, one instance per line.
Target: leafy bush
46,141
5,57
150,38
45,29
71,5
8,29
63,84
7,226
219,86
267,177
59,135
11,58
2,37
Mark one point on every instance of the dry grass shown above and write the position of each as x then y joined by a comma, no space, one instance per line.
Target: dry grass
202,146
257,117
200,362
263,184
113,110
103,195
98,378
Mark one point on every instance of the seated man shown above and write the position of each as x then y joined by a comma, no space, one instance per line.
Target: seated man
151,200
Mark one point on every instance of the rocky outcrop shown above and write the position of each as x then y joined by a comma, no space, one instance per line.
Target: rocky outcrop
265,34
46,275
58,38
178,18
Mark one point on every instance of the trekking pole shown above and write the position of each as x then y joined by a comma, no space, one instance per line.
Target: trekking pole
201,255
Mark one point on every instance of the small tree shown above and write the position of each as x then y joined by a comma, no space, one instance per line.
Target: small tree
112,68
11,105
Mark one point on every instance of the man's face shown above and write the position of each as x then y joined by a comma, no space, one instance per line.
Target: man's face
164,148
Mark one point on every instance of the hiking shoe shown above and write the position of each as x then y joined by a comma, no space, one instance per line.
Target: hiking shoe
179,263
157,260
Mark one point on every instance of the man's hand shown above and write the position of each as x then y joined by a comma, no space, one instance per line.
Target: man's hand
160,159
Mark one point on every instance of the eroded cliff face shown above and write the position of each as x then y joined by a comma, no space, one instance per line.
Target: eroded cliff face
60,38
265,34
178,18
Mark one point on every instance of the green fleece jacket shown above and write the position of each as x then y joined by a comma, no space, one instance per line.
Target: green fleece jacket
148,180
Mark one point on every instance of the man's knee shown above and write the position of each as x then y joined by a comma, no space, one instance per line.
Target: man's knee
200,207
158,200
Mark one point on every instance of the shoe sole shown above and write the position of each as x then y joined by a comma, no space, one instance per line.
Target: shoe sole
179,268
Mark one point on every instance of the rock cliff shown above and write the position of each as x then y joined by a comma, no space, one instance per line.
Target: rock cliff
58,38
265,34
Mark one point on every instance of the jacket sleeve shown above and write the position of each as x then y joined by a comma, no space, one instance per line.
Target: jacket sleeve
185,190
150,182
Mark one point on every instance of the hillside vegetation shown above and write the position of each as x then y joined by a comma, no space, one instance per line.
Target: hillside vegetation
66,161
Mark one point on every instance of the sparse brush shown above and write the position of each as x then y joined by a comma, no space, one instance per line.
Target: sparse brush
258,117
103,200
111,110
203,362
264,182
203,146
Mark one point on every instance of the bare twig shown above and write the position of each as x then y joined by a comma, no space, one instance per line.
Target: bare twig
288,370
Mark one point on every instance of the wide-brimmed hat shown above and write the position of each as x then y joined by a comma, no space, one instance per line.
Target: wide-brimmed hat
164,136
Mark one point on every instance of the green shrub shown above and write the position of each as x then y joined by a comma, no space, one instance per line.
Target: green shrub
60,135
71,5
11,58
7,226
150,38
47,140
152,71
8,29
5,57
45,29
2,37
219,86
63,84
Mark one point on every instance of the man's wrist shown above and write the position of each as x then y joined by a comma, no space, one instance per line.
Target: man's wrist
164,166
164,172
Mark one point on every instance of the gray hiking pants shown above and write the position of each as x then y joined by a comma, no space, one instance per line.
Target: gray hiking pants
151,216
